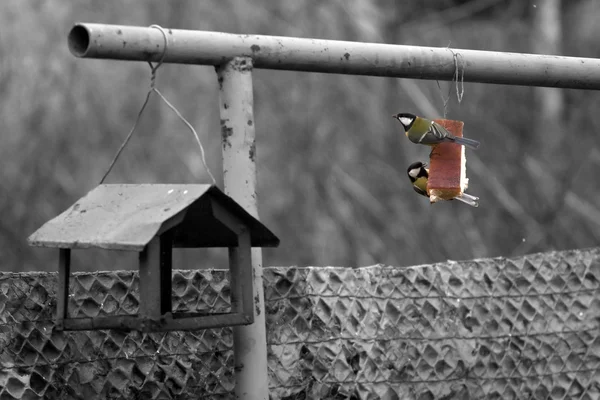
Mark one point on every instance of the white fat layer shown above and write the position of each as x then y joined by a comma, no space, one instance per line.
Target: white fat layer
405,121
434,199
464,182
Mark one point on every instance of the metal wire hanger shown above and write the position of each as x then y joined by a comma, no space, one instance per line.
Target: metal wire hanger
153,89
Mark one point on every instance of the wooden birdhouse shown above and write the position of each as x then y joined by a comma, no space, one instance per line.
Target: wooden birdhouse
152,219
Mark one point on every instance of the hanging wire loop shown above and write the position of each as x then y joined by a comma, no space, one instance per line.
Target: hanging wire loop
153,71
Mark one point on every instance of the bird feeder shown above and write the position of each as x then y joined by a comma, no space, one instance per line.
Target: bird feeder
447,166
152,219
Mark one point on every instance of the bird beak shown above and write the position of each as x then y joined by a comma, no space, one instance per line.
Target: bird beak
395,116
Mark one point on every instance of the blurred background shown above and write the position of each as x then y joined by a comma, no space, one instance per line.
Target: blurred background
331,161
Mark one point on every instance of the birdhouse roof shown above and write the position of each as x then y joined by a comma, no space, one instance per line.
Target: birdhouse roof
127,217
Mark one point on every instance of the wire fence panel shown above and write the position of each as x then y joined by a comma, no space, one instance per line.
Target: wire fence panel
497,328
527,327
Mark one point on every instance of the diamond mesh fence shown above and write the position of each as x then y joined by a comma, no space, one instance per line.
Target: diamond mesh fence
527,327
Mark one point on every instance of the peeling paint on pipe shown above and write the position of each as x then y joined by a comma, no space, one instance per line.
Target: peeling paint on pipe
330,56
239,176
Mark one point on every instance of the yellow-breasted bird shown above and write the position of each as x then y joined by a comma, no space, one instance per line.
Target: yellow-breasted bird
419,175
424,131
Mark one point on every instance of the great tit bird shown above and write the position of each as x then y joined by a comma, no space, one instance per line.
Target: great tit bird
423,131
419,174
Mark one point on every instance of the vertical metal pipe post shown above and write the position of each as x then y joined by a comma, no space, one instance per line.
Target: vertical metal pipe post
239,174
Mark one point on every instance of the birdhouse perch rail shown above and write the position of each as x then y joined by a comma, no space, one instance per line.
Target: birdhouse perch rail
116,42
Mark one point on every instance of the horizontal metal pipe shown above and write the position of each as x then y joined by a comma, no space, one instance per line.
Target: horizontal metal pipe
331,56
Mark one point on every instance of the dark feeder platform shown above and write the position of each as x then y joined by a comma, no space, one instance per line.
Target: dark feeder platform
152,219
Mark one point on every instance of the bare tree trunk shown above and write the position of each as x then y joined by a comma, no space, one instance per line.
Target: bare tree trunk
548,117
547,37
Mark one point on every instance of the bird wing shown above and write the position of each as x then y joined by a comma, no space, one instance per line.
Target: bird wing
439,131
420,191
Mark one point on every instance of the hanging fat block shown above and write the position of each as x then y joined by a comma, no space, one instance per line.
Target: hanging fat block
447,166
152,219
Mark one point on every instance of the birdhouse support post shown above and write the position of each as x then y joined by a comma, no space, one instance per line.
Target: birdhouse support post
64,272
240,266
155,279
240,269
239,175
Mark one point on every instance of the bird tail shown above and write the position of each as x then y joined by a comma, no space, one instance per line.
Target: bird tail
468,199
473,144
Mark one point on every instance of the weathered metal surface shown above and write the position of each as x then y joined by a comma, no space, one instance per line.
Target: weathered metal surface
119,42
236,101
520,328
127,217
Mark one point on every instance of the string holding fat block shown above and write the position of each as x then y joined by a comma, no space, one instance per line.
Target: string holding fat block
448,168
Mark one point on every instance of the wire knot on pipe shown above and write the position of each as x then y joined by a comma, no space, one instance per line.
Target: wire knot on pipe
154,68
